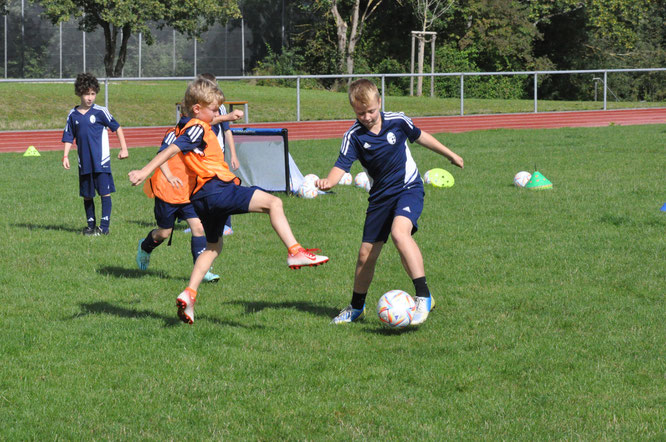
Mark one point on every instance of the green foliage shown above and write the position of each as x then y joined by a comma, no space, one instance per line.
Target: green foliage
450,59
548,326
287,62
190,17
394,85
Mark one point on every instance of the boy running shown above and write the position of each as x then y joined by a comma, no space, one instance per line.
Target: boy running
216,191
379,141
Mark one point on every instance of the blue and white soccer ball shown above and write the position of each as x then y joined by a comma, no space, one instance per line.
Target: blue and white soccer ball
362,181
396,309
308,190
346,179
521,178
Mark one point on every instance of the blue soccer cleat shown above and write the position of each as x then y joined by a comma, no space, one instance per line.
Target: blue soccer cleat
349,314
211,277
142,257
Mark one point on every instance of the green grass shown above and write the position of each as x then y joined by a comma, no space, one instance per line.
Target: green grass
45,106
549,322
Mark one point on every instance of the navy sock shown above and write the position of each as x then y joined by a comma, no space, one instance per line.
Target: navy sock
228,223
89,206
149,244
198,245
106,213
358,300
421,287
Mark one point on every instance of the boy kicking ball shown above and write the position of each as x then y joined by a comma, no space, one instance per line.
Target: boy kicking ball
216,191
379,141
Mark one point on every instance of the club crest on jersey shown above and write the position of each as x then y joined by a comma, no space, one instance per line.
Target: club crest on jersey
390,137
93,119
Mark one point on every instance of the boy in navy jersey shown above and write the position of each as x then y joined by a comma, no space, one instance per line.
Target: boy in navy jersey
215,192
87,124
379,141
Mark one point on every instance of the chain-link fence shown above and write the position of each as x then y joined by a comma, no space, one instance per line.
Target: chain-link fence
35,48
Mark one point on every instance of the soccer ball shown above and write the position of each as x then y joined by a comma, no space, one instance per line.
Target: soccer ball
362,181
308,190
521,178
310,178
346,179
426,177
396,309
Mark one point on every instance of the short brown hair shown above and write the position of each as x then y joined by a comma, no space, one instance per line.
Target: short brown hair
201,91
85,82
363,91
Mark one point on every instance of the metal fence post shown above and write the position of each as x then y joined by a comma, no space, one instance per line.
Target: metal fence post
298,98
462,94
106,92
535,93
605,87
383,95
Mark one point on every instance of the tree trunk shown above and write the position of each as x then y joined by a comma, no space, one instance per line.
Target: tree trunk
110,37
419,80
122,54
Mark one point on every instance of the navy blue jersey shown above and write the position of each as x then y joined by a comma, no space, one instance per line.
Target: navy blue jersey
220,128
92,138
385,157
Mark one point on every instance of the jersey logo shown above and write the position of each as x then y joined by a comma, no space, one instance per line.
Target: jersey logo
366,146
93,119
390,137
407,209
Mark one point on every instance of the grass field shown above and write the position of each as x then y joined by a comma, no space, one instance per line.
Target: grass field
153,104
549,324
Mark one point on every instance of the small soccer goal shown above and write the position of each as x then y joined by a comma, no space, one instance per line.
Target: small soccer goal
264,159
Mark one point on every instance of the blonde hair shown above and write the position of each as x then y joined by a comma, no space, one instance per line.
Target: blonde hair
201,91
363,91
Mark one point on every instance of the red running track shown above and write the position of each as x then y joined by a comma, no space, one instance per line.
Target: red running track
16,141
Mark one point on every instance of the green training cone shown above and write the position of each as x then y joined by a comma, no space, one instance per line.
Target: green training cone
538,182
31,152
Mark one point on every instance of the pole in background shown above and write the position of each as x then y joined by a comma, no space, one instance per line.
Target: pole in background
140,35
60,70
84,51
242,46
195,57
173,55
5,46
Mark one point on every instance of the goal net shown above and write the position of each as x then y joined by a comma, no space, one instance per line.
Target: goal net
264,159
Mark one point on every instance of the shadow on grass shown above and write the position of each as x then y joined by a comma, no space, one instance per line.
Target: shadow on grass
102,307
385,331
59,227
122,272
178,227
253,307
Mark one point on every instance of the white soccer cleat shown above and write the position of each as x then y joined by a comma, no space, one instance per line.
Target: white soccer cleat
349,314
423,308
305,258
185,305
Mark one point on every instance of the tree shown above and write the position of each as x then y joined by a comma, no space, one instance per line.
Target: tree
125,17
350,29
427,12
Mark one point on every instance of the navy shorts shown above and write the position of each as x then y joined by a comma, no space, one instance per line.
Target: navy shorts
102,182
214,209
166,213
379,216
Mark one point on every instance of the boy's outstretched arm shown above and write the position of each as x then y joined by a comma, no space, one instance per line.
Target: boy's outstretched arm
331,180
430,142
136,177
123,145
234,115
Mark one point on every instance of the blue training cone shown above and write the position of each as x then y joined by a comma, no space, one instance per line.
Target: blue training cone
663,208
